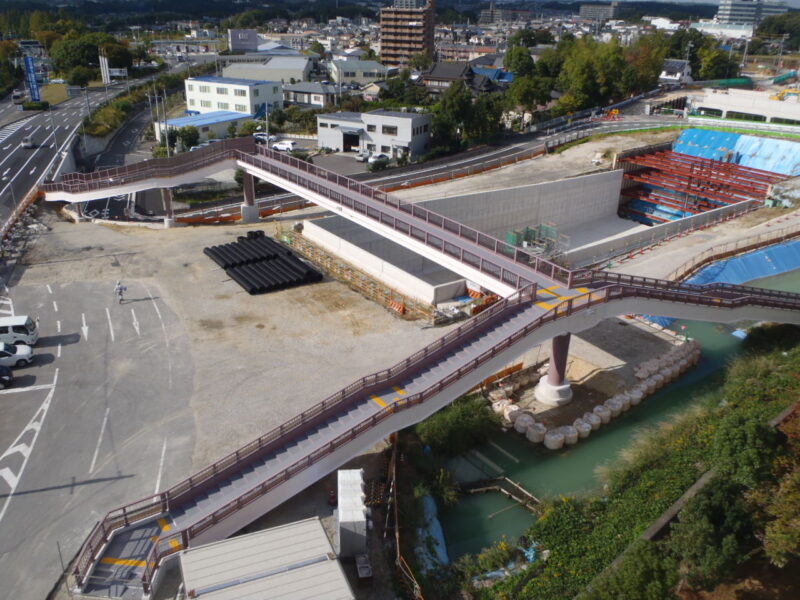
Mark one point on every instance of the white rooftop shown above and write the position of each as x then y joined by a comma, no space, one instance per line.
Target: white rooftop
290,562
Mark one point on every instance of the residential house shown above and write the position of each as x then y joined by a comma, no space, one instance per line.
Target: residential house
310,93
356,71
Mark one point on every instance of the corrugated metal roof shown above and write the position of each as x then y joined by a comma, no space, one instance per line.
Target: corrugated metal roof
201,120
290,562
230,80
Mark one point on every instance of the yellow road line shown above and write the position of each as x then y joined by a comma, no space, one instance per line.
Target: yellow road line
123,561
400,391
378,401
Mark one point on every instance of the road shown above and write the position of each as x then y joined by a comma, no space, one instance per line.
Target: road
99,418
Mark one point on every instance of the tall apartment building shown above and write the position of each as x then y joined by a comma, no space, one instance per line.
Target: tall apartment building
406,30
599,12
748,12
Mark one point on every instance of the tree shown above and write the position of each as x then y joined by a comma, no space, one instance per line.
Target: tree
645,58
688,42
713,533
249,128
717,64
422,61
518,61
449,116
743,450
80,76
485,118
232,130
525,38
189,136
47,38
119,57
67,54
543,37
317,48
527,92
645,573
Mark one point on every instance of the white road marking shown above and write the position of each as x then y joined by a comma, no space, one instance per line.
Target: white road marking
58,352
58,326
30,388
99,439
6,171
49,289
135,323
84,327
160,466
7,146
55,306
110,326
35,425
166,339
32,171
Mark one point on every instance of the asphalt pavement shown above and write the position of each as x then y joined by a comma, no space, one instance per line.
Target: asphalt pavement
100,417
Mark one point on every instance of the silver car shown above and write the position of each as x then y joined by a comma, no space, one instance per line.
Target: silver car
15,355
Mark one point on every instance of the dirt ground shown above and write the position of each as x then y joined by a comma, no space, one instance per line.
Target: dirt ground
570,163
755,580
258,360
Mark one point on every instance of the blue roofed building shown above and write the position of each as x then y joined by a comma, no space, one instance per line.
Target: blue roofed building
211,125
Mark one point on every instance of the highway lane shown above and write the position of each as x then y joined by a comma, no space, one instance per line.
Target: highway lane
51,131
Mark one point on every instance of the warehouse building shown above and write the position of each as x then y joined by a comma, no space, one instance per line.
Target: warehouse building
393,133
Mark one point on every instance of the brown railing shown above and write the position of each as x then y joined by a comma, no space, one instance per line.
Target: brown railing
220,470
159,167
166,546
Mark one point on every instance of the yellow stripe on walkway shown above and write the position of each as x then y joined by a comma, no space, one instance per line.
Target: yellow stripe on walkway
400,391
545,305
583,290
378,401
164,525
123,561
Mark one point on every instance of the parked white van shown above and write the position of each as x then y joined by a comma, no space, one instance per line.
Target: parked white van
19,330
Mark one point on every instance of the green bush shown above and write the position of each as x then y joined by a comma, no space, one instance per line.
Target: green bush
41,105
458,427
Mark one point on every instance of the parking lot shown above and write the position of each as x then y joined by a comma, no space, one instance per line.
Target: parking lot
125,399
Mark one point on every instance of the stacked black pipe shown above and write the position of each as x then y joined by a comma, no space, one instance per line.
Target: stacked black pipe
260,264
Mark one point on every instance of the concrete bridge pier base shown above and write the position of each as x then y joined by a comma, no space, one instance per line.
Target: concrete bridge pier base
166,200
249,208
554,389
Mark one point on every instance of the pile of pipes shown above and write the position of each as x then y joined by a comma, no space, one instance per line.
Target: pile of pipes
653,375
260,264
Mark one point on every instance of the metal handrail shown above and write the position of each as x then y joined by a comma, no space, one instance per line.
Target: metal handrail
165,546
199,482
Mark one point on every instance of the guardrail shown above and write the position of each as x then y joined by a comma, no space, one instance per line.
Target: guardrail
175,541
207,478
732,249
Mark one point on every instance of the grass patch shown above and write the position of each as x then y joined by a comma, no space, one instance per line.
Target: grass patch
54,93
201,197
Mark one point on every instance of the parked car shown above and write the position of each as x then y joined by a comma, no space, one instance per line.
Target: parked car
57,81
263,138
6,377
378,158
362,157
284,146
27,142
15,356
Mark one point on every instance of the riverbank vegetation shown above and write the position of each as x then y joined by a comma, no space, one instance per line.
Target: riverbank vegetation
751,505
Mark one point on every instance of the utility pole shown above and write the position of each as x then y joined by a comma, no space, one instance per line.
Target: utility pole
166,127
53,124
780,54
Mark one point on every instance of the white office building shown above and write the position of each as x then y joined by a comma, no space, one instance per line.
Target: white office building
361,72
210,94
286,69
382,131
750,12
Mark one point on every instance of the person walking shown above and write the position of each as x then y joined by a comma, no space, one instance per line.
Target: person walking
119,290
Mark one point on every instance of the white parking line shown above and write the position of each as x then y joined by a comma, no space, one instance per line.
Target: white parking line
35,425
55,306
58,352
99,439
160,466
30,388
166,339
32,171
110,326
135,324
58,326
49,289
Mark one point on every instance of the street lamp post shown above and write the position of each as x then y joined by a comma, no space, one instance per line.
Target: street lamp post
53,124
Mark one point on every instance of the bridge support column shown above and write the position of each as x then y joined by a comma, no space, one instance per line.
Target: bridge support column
249,208
554,389
166,200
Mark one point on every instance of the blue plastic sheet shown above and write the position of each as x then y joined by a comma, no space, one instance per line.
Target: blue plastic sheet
432,555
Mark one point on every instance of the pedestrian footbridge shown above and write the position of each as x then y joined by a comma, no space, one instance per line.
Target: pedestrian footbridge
125,553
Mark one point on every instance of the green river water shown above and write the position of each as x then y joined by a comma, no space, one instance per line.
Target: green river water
479,520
